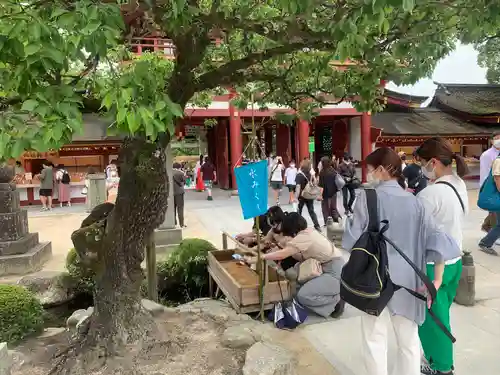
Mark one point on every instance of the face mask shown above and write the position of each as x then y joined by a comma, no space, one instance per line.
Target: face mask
431,175
496,143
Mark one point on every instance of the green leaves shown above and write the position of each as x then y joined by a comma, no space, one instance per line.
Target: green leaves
29,105
45,52
408,5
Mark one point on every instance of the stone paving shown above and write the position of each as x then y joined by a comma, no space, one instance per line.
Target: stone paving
477,328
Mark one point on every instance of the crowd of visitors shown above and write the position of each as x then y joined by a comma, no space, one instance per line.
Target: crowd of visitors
430,193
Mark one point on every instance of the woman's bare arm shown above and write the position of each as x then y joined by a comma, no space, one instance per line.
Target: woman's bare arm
280,254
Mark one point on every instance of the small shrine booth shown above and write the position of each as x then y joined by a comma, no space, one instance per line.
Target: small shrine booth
89,152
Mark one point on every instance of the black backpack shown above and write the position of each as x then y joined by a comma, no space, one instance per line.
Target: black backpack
65,178
365,279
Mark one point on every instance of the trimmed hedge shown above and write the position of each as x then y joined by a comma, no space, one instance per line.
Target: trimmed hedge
21,314
181,278
184,276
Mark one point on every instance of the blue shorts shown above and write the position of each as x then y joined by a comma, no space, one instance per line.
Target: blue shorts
208,184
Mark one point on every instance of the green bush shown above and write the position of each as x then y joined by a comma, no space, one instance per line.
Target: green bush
184,276
21,314
82,275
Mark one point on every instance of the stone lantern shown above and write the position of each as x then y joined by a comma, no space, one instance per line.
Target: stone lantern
20,251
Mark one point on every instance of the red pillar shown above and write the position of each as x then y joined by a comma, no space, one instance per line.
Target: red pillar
268,139
283,143
366,142
235,139
303,138
220,151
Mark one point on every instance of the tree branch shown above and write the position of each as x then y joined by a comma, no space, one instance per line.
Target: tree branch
224,74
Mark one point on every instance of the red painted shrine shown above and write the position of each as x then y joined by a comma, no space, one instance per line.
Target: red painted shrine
465,114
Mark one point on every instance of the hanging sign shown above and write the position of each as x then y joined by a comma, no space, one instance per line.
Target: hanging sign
252,188
312,145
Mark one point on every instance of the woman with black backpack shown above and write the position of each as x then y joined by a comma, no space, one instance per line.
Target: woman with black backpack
410,227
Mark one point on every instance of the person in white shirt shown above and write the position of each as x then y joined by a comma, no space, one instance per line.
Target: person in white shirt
276,178
446,200
290,174
485,163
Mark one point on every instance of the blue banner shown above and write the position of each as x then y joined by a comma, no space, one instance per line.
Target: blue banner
252,188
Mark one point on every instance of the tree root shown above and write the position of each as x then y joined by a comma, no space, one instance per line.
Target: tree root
93,354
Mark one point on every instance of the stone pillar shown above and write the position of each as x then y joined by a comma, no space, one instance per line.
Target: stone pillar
366,142
303,139
167,235
5,360
355,138
20,251
96,190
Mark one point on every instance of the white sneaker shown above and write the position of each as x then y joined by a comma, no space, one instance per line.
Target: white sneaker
497,242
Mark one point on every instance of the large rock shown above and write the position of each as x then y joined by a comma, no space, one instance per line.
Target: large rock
51,288
155,308
216,309
79,320
266,359
5,360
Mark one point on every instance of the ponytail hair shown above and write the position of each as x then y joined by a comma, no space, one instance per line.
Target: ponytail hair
462,168
440,149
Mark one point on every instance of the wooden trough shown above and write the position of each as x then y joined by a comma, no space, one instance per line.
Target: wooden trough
239,283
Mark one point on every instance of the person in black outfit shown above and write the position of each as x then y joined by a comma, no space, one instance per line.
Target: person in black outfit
348,171
329,190
302,179
179,180
271,220
415,179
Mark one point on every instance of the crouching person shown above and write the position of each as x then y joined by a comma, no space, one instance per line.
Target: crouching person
317,269
269,224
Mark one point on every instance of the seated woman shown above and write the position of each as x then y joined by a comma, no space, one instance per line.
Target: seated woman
268,222
321,294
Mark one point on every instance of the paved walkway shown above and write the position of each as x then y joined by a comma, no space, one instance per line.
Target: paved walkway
477,328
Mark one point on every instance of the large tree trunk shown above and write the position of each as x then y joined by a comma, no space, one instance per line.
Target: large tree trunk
112,242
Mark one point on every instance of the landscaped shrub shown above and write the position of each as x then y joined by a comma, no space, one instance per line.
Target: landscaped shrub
184,276
21,314
81,274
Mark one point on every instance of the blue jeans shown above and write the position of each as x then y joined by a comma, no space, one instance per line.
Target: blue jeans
493,234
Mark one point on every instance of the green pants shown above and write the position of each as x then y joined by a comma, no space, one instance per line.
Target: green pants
438,348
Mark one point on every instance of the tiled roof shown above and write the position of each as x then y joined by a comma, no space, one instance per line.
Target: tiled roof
424,121
405,97
476,100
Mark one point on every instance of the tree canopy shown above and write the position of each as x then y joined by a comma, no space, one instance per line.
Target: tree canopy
54,55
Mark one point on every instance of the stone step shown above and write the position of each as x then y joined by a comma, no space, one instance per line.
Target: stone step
28,262
20,246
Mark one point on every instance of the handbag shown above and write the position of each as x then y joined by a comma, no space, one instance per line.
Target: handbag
311,190
287,314
339,181
489,196
309,269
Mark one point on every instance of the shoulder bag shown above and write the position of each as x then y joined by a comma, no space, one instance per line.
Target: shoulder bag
489,196
456,193
339,181
311,190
